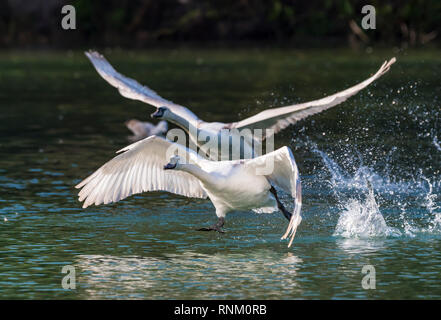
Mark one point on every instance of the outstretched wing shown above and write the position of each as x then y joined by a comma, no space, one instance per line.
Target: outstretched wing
138,169
278,119
132,89
281,170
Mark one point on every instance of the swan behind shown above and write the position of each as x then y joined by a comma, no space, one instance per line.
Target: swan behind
271,121
142,129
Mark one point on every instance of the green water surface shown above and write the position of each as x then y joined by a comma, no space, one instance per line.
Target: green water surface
59,121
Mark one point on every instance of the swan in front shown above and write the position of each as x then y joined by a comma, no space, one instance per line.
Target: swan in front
270,121
157,164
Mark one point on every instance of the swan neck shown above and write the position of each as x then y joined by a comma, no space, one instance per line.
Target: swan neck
181,122
196,171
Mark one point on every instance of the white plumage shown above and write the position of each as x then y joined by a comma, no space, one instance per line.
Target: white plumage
276,119
230,185
138,169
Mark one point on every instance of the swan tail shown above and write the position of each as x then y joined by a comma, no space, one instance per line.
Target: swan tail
296,218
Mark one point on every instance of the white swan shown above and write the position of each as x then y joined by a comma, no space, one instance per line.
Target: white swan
142,129
275,119
230,185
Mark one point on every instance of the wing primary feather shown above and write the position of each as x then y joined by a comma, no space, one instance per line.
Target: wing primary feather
137,169
278,119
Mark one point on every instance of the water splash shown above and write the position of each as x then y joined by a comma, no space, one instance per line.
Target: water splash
433,208
363,219
343,180
436,143
360,215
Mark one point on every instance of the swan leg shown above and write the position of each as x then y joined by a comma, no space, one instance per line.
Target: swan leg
215,227
280,205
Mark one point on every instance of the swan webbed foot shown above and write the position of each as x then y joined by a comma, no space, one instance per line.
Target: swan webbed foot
215,227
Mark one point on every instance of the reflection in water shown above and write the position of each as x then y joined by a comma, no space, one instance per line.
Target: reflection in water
101,274
361,246
202,275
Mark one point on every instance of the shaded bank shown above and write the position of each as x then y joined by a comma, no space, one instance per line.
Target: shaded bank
142,23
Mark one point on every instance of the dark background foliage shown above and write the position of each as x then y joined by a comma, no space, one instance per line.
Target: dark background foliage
140,23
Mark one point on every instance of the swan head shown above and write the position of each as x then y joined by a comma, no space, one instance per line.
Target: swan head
173,163
160,113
